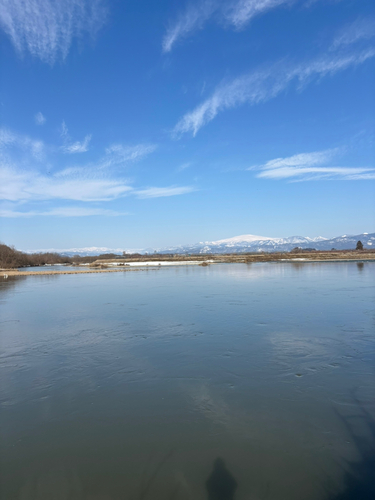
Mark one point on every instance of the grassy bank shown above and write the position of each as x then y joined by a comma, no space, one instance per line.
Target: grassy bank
155,262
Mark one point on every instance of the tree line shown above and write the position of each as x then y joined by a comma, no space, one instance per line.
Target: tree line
11,258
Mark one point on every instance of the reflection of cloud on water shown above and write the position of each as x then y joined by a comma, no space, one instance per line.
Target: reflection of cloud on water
292,345
295,354
278,269
251,271
310,351
80,365
215,410
219,413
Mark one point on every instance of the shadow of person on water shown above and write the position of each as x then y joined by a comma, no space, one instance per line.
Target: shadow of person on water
220,485
359,476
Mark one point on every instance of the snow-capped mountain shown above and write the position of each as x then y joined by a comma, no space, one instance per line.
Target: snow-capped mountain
86,251
244,238
237,244
251,243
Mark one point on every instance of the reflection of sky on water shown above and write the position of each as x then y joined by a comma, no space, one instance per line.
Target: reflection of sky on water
140,381
54,267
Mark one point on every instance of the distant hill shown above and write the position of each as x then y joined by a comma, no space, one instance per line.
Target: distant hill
238,244
249,243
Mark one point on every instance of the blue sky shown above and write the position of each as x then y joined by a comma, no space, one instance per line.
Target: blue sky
133,124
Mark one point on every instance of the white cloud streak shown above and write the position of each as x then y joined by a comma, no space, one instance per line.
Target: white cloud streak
304,173
229,13
263,85
100,181
118,153
235,13
21,180
306,159
159,192
116,156
78,147
63,212
23,143
311,166
64,131
18,185
241,12
360,30
71,147
39,118
184,166
191,20
46,28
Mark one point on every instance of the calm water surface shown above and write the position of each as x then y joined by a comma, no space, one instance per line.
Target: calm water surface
54,267
131,385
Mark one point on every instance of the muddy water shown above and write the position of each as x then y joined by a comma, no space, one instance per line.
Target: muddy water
132,386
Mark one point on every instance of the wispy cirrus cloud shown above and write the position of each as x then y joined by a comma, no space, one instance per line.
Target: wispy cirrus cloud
22,144
71,146
239,13
78,146
362,29
103,180
21,185
305,159
40,119
311,166
114,154
23,179
184,166
234,13
63,212
189,21
159,192
116,157
46,28
119,153
265,84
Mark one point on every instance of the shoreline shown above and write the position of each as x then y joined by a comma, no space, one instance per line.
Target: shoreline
115,267
16,272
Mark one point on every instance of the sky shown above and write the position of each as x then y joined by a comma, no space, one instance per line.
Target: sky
144,124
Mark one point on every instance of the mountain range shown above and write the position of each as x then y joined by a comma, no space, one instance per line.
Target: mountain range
237,244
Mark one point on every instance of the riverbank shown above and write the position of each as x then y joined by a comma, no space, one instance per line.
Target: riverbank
16,272
148,262
241,258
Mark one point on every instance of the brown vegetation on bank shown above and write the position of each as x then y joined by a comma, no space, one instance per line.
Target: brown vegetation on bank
10,258
308,255
6,273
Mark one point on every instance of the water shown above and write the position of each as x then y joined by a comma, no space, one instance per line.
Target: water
132,385
53,267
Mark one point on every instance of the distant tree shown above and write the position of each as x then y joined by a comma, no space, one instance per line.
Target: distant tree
359,245
11,258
